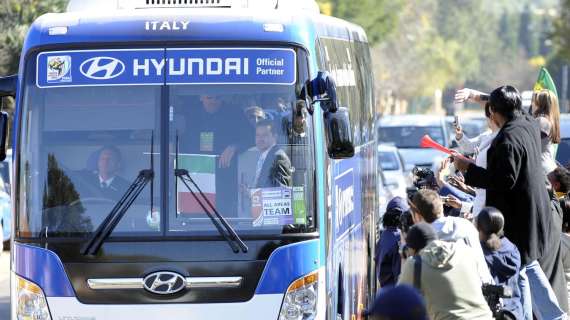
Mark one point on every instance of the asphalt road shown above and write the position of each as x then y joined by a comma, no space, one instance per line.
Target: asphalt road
5,285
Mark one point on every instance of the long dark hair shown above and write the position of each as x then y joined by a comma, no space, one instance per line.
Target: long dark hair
490,223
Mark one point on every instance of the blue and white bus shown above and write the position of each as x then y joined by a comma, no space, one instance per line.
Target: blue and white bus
192,159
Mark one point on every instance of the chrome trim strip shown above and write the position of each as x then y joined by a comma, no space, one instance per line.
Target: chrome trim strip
191,282
213,282
115,284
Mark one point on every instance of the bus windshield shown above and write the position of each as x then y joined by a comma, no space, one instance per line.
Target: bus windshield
247,148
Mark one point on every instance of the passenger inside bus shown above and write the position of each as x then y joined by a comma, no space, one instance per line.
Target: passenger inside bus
219,129
265,165
254,114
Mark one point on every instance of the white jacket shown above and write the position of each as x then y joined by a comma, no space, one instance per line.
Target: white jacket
479,145
456,229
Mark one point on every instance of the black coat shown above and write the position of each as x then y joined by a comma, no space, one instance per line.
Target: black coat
515,184
276,170
551,261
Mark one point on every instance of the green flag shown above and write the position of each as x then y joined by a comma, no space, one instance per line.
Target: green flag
545,81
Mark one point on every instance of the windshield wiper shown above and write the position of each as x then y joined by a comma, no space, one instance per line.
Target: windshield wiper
221,224
117,213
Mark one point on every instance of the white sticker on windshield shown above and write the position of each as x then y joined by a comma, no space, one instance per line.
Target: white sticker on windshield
59,69
271,206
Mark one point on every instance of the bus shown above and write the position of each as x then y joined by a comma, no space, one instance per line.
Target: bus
192,159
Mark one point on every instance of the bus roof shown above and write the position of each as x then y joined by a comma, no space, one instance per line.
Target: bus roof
167,25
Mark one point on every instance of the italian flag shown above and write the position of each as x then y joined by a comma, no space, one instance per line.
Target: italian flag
202,169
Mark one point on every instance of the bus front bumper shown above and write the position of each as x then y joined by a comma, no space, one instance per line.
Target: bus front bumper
265,306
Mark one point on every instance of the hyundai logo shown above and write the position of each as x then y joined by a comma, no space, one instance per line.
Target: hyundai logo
102,68
164,282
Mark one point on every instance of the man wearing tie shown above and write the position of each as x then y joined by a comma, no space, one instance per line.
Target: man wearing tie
273,167
110,185
263,166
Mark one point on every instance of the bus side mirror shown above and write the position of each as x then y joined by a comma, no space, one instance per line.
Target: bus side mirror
7,88
338,133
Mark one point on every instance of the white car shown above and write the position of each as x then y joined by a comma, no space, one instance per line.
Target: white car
563,153
392,164
5,202
405,133
526,99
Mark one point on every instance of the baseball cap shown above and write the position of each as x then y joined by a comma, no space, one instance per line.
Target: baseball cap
402,302
398,204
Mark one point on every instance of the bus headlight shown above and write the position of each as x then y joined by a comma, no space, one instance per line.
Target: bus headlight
31,302
300,302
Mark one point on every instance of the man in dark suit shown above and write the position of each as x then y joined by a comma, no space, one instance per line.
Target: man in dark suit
263,166
515,185
106,180
273,167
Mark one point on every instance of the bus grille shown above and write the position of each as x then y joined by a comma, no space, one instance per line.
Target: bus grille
187,4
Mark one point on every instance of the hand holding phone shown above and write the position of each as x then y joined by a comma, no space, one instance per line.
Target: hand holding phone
456,121
458,129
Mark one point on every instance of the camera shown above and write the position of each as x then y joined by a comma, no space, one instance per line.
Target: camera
493,294
405,252
456,123
423,178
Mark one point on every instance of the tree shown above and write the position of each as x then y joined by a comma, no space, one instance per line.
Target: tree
561,35
62,208
508,25
527,34
375,16
15,18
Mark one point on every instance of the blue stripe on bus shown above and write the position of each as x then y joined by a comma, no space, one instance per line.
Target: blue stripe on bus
287,264
44,268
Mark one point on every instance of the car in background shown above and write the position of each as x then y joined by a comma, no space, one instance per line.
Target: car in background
472,127
563,153
526,99
392,164
6,169
405,133
5,217
5,201
384,194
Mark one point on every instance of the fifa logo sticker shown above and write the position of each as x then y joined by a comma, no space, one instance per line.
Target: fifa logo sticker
59,69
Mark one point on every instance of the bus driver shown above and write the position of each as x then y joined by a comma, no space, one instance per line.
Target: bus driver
105,181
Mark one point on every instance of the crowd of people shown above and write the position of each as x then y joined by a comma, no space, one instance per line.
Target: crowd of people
489,238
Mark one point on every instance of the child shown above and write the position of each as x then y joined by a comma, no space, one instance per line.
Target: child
387,257
501,255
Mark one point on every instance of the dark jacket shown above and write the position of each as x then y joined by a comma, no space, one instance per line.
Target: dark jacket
387,257
515,185
276,170
551,261
504,265
114,191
